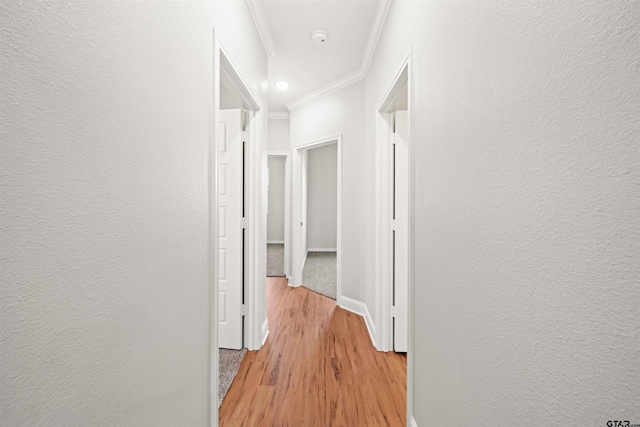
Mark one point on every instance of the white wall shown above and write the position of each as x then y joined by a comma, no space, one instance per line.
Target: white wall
279,137
275,220
105,117
526,208
342,112
322,201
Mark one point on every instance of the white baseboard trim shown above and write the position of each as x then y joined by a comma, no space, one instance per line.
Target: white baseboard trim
265,331
322,250
359,308
306,254
280,242
412,422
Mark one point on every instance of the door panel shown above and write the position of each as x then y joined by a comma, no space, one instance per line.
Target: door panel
303,205
401,234
300,214
230,198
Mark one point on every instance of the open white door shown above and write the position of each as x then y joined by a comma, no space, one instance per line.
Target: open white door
300,215
401,233
231,193
304,189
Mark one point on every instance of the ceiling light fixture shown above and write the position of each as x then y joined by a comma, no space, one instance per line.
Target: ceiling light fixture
282,85
318,37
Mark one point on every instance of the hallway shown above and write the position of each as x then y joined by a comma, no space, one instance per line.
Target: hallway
317,368
523,212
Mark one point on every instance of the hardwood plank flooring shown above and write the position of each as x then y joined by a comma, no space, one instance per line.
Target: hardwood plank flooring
317,368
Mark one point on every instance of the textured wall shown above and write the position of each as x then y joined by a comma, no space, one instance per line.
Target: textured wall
527,212
105,128
322,201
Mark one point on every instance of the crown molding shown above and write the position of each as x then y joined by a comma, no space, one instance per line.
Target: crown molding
278,115
262,26
343,82
361,73
374,34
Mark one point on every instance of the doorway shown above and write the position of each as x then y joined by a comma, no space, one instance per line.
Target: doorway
317,215
278,208
319,268
235,203
394,219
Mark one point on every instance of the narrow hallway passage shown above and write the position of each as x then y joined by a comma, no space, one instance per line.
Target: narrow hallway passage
318,367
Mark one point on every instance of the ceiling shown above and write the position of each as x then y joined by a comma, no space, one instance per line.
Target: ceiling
352,28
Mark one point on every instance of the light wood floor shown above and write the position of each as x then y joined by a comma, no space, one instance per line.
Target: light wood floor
317,368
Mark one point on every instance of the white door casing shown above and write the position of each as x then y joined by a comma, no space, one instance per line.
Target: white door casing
231,193
401,231
397,98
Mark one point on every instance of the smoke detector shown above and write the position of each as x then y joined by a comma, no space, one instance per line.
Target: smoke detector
318,37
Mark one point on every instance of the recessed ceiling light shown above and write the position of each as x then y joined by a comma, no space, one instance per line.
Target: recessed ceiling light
282,85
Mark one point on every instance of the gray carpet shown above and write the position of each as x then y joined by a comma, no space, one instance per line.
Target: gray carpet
229,363
275,260
319,273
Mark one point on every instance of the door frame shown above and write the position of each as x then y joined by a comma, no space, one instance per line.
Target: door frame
225,71
287,208
297,258
384,215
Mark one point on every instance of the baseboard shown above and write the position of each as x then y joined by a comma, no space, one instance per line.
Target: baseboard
265,331
412,422
359,308
275,242
322,250
290,281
